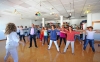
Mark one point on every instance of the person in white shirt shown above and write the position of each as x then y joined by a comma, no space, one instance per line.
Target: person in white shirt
12,42
90,38
18,30
22,34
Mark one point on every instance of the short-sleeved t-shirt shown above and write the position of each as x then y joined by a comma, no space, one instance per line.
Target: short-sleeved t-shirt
90,34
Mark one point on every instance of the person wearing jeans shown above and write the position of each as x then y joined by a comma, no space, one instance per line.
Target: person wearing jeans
22,34
46,36
53,37
90,38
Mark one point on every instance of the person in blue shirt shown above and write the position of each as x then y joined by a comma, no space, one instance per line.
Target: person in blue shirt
53,37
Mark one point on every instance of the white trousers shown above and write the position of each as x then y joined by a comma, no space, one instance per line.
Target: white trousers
55,42
13,53
67,44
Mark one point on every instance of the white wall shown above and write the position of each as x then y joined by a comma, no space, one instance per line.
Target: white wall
14,19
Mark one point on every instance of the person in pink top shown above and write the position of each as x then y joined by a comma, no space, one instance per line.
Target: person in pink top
70,38
62,35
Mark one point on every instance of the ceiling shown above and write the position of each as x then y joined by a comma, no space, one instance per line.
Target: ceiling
28,8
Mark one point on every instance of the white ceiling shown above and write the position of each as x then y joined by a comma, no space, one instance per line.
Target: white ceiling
28,8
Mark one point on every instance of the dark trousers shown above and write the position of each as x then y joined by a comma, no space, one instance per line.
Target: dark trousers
64,39
91,41
58,36
34,38
46,39
22,36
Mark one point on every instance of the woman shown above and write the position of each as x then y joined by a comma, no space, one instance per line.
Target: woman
53,37
42,34
62,36
70,38
22,34
90,38
11,42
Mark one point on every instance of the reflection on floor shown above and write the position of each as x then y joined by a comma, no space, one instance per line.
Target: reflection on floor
41,54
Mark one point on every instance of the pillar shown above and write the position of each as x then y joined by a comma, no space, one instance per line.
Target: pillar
61,20
43,22
89,19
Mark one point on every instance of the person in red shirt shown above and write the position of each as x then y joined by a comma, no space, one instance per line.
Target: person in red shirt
70,38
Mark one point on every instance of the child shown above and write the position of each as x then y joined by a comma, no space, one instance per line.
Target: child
53,37
46,36
11,42
58,33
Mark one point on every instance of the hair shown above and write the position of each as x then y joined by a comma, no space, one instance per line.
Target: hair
71,28
11,27
90,27
21,26
54,26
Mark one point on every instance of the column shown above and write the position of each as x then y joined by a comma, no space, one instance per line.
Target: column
89,19
43,22
61,20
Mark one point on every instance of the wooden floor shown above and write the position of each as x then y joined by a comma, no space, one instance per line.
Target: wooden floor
41,54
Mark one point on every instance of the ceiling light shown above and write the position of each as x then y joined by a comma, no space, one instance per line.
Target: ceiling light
89,5
51,8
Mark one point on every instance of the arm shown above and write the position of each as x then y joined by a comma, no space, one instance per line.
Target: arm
97,31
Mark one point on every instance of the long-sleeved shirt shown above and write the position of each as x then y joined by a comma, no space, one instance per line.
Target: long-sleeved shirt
12,41
70,35
53,34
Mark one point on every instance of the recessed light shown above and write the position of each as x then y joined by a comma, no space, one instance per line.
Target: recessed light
51,8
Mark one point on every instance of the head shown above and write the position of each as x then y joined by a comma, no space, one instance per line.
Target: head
45,28
21,26
90,28
70,28
32,25
62,26
42,28
53,27
17,26
11,27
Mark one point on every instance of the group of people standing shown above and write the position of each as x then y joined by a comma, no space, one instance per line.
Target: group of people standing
55,33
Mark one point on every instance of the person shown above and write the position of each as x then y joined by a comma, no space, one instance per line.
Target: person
32,33
90,38
70,38
58,33
22,34
53,37
42,34
18,31
38,32
11,42
62,35
46,36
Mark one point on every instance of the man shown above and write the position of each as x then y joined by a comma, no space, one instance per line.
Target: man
32,33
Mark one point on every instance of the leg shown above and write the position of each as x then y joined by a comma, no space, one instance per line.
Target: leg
34,37
50,44
64,39
24,38
86,43
20,37
14,55
67,44
60,41
47,40
7,55
44,39
72,46
92,45
31,40
55,42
